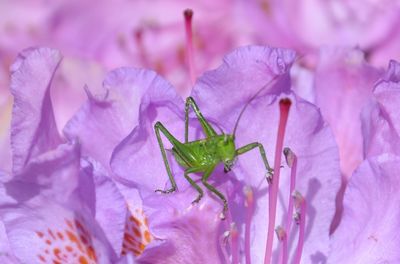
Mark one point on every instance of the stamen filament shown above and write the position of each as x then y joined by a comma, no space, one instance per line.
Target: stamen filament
302,223
188,14
284,106
291,160
249,204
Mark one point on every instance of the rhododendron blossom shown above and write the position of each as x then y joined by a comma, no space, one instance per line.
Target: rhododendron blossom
81,162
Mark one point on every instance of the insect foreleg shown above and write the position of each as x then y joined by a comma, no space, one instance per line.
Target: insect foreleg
208,130
251,146
159,127
204,179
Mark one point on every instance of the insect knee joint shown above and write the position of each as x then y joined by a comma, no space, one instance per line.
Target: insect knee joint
157,125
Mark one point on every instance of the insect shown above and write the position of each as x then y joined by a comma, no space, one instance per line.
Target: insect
203,155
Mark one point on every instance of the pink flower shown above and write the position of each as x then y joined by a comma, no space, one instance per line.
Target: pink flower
307,25
130,142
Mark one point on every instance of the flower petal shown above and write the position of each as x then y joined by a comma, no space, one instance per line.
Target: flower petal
222,93
33,128
343,84
109,117
381,117
137,158
368,232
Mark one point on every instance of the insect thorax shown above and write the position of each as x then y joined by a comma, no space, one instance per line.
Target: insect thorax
206,152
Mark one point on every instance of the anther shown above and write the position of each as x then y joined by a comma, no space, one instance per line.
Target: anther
280,233
297,217
298,199
269,176
289,156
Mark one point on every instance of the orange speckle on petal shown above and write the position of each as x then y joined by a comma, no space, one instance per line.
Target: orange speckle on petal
91,253
51,233
136,232
83,239
41,258
141,246
83,260
57,252
147,236
130,239
69,223
48,242
60,235
68,248
56,262
40,234
134,220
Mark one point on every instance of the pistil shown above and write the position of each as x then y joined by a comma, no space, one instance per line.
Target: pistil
284,107
188,15
138,36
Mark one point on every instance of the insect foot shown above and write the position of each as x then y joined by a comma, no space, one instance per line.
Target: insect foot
197,200
173,189
222,215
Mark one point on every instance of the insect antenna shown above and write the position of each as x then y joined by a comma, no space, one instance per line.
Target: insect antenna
268,84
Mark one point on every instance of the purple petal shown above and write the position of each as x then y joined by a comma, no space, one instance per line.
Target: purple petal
6,255
110,205
46,216
42,229
109,117
369,229
381,116
222,93
137,158
187,237
33,128
343,84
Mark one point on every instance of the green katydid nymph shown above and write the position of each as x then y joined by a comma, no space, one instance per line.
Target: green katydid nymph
203,155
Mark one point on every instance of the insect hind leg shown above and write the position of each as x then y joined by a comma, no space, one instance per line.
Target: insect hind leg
194,185
159,127
214,190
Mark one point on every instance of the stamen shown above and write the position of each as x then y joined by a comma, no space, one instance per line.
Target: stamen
284,106
280,233
291,160
223,242
234,243
300,218
188,14
249,204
